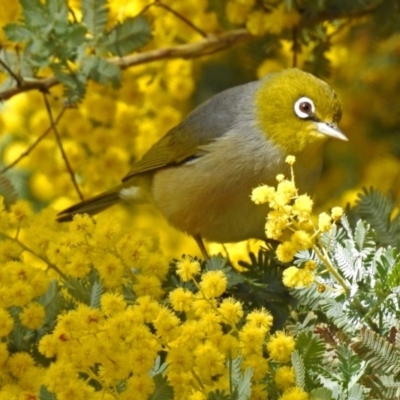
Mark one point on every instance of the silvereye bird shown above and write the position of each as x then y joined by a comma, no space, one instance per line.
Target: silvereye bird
201,173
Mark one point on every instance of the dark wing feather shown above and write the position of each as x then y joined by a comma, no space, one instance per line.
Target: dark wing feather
177,146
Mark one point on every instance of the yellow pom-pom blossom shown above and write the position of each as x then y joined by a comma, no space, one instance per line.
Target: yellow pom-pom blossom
280,347
277,222
197,396
302,207
280,177
21,293
257,23
6,323
201,305
296,277
9,251
324,222
290,160
213,283
301,240
209,361
147,285
180,360
32,316
294,393
112,303
336,213
310,265
138,387
187,269
231,310
20,213
285,252
181,299
261,319
110,269
82,223
251,339
166,324
237,12
287,190
148,308
284,377
263,194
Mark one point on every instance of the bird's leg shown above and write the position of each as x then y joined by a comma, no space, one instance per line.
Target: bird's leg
202,248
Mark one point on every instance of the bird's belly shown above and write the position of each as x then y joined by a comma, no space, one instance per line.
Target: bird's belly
217,211
203,198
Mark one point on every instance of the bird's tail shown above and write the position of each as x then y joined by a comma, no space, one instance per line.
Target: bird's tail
90,206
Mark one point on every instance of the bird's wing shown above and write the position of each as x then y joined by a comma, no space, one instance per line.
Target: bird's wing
177,146
208,122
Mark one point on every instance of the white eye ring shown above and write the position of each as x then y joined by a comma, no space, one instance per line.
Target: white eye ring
304,107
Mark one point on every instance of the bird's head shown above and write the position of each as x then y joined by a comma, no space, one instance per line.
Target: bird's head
296,110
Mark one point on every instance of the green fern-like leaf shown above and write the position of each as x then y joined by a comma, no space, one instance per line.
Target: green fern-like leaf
95,16
356,392
380,354
349,363
95,295
53,302
344,259
7,191
376,209
158,368
321,394
244,386
44,394
364,238
236,372
299,369
127,36
163,390
221,395
311,347
393,278
384,387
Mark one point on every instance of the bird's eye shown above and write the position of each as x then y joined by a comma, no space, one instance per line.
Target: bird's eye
304,107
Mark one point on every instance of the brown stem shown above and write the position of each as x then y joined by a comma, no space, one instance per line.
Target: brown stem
60,145
181,17
12,73
157,3
37,84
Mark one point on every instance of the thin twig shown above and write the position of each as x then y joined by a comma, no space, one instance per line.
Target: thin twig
45,260
181,17
34,144
12,73
327,263
60,145
157,3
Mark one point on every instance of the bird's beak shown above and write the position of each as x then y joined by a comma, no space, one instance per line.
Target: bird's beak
330,129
